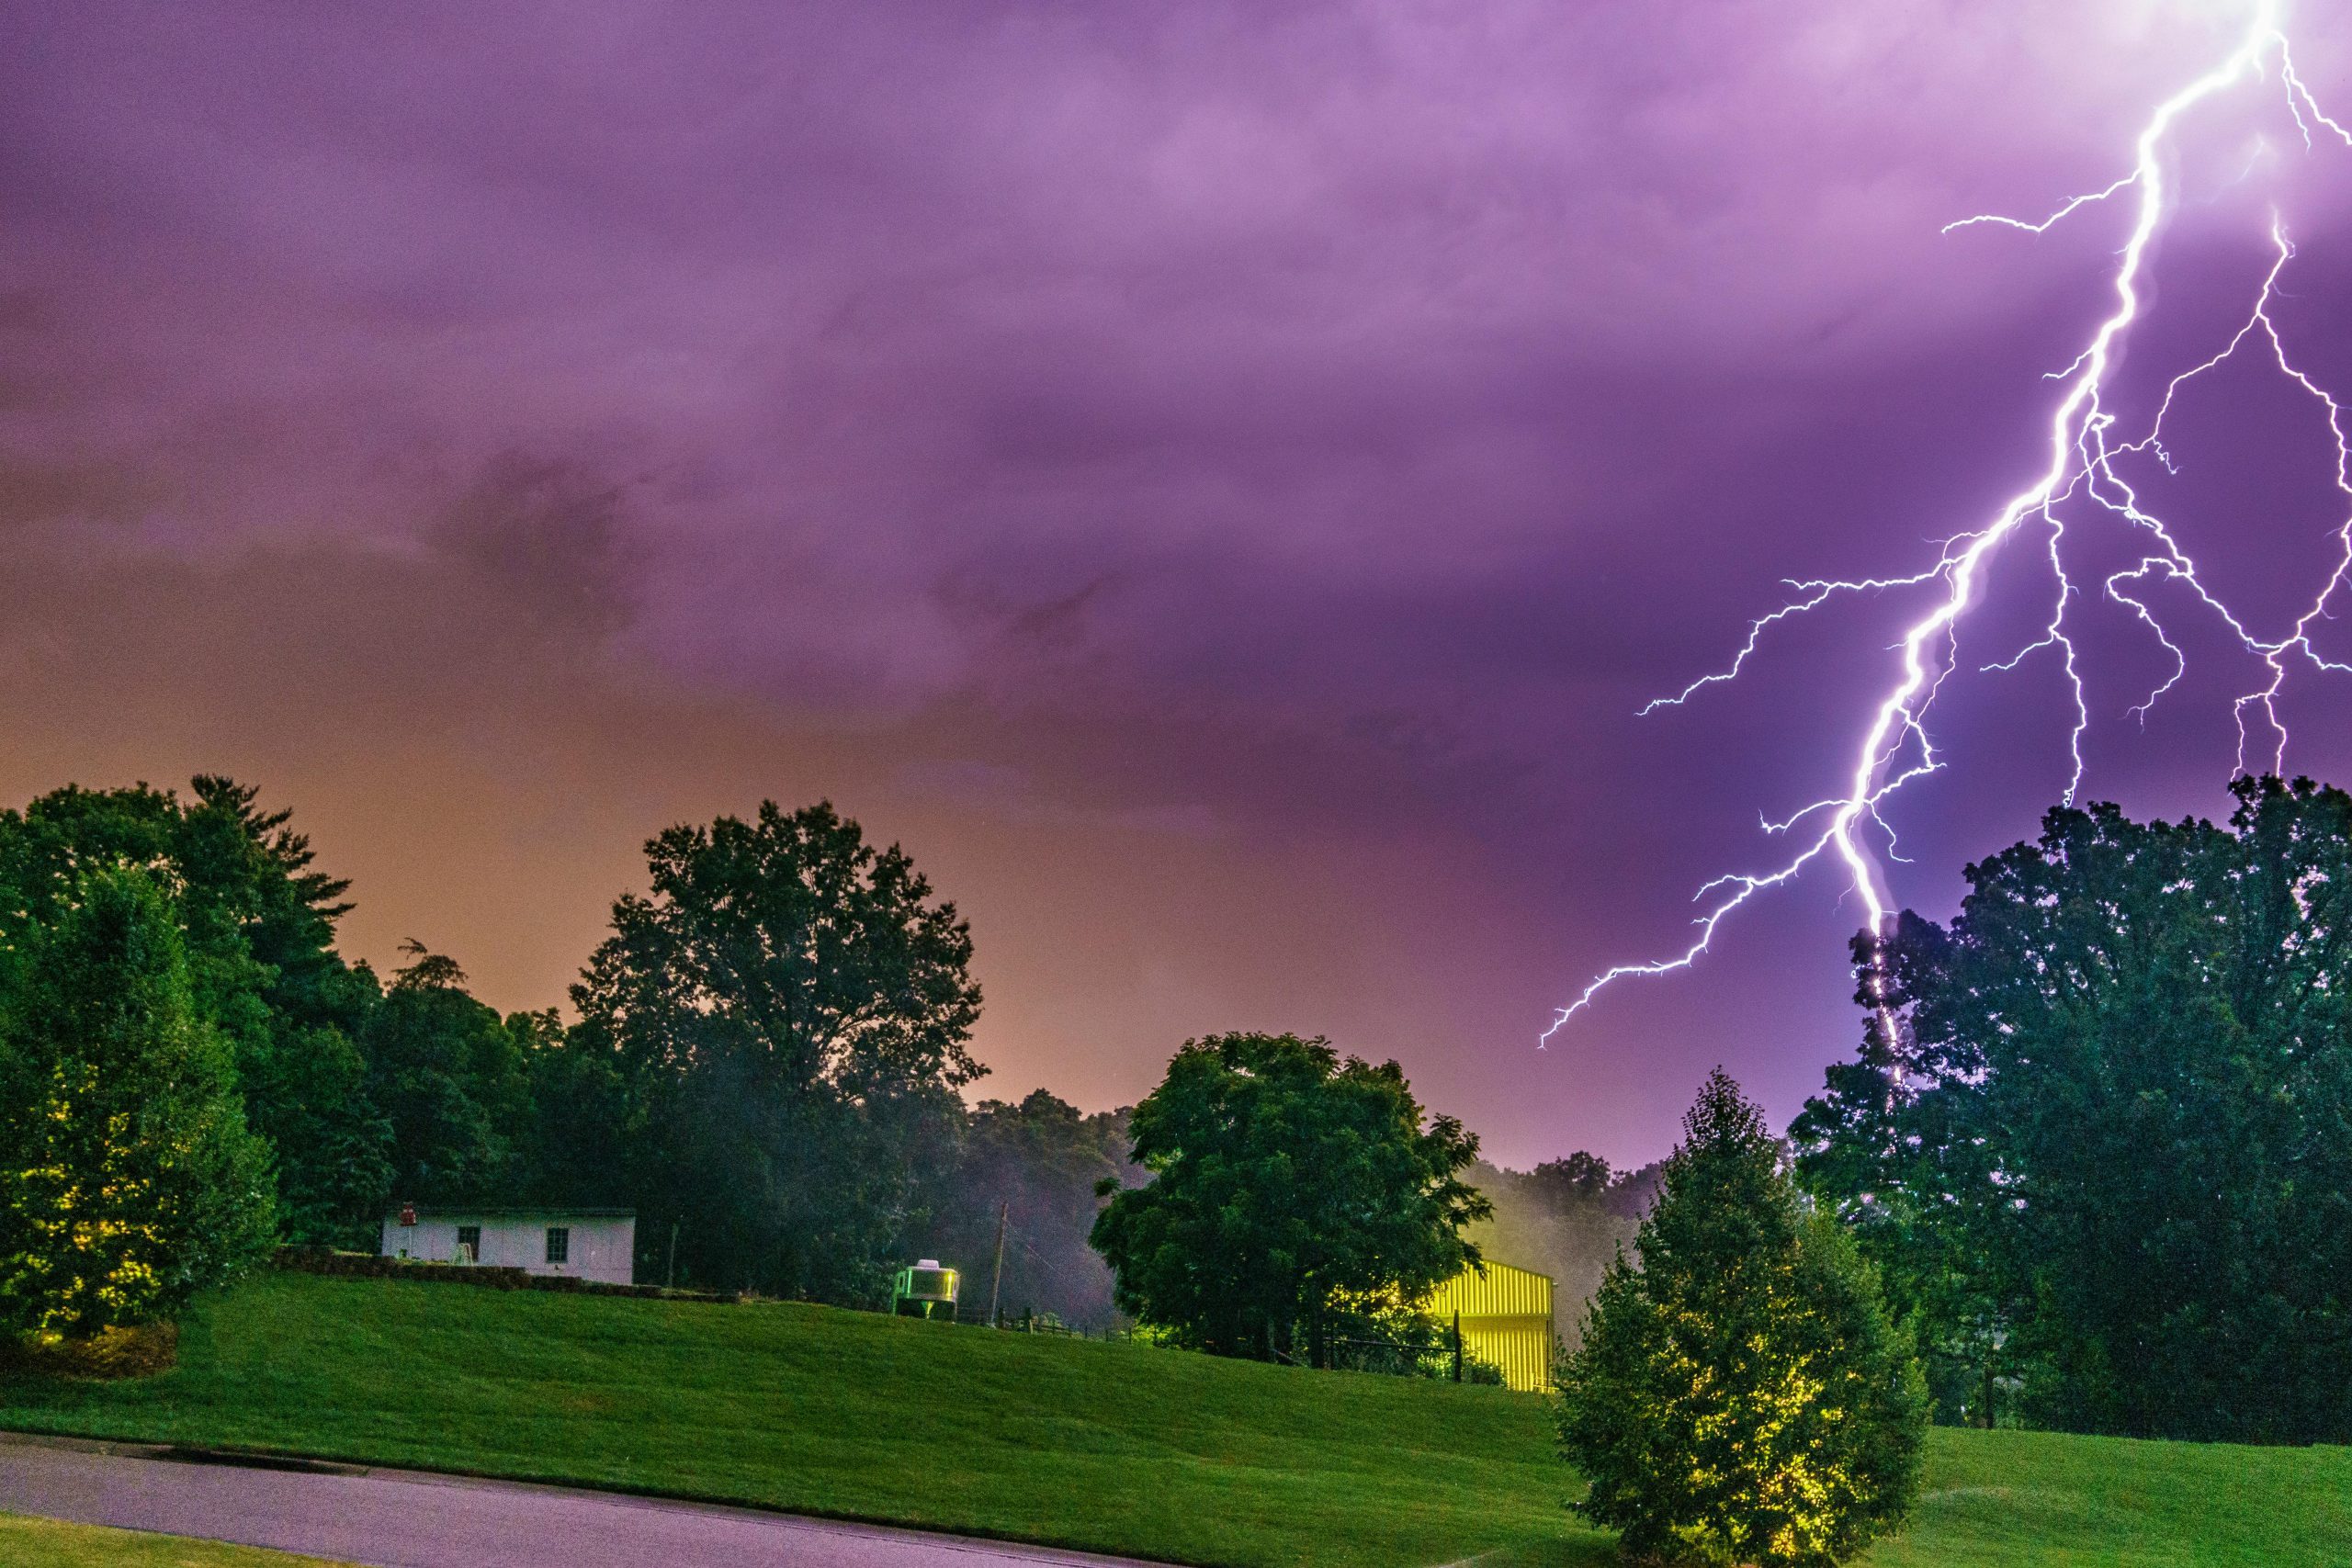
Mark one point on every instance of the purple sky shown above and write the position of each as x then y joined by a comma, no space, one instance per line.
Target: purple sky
1216,482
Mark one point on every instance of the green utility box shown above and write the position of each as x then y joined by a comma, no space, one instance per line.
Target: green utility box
924,1291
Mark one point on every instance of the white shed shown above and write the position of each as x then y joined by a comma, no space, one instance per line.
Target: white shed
587,1244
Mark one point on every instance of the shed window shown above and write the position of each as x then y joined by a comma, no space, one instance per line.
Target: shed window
470,1243
558,1244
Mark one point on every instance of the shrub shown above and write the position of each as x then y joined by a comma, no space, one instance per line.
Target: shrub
1741,1397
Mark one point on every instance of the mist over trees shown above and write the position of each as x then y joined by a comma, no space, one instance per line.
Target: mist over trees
1567,1218
2099,1134
1037,1166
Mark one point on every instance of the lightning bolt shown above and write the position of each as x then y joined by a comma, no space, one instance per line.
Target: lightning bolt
2085,448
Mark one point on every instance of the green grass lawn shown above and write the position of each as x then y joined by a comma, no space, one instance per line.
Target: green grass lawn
44,1543
1113,1447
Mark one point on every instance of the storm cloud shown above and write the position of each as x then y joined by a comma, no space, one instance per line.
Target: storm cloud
1215,480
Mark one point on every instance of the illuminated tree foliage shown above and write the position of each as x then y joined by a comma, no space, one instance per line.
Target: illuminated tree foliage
256,923
1292,1195
1741,1397
128,1179
2100,1140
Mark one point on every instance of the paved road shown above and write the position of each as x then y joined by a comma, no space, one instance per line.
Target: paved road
407,1519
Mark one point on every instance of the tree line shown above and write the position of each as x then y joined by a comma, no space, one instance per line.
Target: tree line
2091,1168
2098,1141
766,1063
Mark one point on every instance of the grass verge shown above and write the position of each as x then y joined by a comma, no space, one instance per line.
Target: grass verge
45,1543
1108,1447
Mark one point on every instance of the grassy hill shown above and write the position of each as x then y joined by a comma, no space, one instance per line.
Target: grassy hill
1112,1446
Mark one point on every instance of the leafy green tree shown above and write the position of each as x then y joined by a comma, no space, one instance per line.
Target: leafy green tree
789,1012
1740,1397
578,1100
128,1178
257,925
451,1078
1290,1191
308,1097
2100,1134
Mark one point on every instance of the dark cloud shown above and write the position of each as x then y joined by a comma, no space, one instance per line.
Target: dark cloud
546,537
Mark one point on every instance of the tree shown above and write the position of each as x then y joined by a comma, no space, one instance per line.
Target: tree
578,1101
2100,1134
449,1076
307,1097
128,1178
789,1012
1741,1397
257,928
301,1071
1289,1189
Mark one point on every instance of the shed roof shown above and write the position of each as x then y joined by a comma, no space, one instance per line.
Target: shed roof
493,1212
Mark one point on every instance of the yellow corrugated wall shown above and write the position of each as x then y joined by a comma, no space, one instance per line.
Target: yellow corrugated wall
1505,1319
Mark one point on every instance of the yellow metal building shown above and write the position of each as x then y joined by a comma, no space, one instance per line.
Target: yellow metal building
1505,1319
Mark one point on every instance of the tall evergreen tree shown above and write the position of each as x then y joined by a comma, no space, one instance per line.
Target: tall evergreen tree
1740,1397
128,1178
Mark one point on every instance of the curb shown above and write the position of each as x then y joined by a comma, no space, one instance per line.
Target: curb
185,1453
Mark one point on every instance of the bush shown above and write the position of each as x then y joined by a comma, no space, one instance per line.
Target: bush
1485,1372
1741,1397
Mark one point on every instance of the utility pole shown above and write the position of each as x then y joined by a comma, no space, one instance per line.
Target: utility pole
673,1254
996,1275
